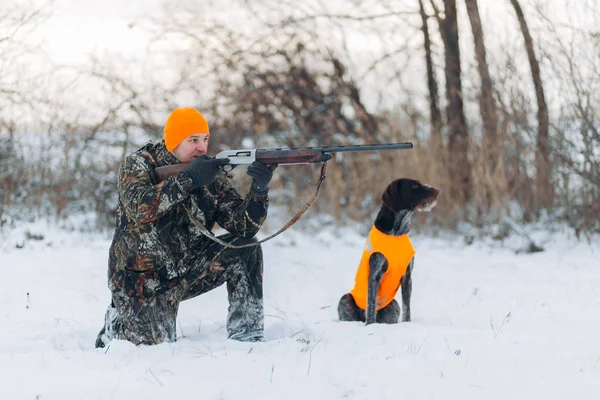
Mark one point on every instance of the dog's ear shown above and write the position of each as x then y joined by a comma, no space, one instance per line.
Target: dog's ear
392,197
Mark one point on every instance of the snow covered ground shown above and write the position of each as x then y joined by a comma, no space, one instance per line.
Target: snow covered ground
487,324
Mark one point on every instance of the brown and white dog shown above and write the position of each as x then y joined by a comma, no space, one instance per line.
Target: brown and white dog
388,259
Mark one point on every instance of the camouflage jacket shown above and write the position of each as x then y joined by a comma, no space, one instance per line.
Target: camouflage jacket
155,239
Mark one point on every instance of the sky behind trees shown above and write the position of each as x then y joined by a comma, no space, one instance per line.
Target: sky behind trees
77,29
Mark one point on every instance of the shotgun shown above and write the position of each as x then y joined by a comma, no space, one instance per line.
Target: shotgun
281,156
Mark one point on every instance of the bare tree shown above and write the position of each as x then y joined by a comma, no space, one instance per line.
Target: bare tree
18,90
18,19
458,143
489,114
573,52
432,86
491,145
544,189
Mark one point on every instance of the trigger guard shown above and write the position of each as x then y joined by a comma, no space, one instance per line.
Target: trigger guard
231,167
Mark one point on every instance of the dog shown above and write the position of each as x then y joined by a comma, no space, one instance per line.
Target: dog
388,258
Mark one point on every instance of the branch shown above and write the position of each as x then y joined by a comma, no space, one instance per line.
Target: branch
352,17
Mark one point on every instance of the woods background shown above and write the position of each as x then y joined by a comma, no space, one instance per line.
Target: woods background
503,112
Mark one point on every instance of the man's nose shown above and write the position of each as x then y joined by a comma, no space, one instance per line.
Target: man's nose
201,147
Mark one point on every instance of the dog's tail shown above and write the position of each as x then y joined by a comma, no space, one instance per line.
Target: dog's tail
378,265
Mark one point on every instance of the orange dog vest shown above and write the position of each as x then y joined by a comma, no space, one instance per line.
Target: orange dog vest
398,250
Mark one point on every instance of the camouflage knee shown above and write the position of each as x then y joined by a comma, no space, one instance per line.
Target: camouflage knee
141,322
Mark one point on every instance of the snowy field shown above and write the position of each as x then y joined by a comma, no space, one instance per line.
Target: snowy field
487,324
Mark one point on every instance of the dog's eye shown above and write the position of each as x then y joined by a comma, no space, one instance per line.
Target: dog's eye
414,186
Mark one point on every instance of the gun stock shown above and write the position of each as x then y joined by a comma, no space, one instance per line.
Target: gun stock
166,171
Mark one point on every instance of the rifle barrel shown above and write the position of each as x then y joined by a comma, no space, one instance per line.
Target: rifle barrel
361,147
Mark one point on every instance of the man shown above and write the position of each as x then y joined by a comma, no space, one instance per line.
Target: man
159,256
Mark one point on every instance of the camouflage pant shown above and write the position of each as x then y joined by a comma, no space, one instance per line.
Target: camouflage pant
154,320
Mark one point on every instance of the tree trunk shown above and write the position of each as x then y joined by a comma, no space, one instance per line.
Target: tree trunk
491,144
458,144
544,190
434,98
489,113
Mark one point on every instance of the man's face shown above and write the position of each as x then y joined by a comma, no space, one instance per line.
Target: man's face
191,147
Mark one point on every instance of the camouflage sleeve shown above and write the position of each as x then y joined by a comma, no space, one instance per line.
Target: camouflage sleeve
240,216
144,201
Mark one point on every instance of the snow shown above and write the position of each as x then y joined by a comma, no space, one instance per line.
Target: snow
487,324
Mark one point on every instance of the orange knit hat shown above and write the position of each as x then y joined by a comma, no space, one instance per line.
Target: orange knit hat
183,122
